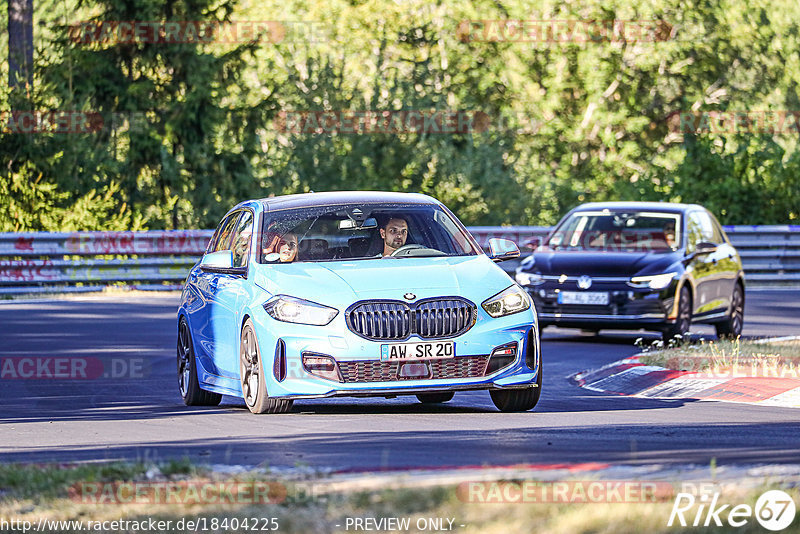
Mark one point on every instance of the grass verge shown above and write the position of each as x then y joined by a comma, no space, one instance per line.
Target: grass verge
32,493
778,359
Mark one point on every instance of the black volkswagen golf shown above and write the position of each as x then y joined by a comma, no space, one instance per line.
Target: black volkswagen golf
637,265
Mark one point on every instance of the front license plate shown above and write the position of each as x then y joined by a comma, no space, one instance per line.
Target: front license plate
397,352
583,297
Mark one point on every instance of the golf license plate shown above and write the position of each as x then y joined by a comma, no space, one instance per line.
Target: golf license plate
583,297
398,352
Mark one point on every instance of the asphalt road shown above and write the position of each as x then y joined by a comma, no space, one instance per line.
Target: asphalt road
143,418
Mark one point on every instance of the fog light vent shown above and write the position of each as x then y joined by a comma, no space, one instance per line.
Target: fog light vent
501,357
322,366
532,349
279,366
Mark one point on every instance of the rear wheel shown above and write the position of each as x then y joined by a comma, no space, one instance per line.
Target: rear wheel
732,326
251,371
518,400
684,320
188,384
433,398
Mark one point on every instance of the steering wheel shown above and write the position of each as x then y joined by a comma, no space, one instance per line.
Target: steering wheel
404,248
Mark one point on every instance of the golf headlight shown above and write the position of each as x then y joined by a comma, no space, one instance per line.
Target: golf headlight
529,279
508,301
656,281
294,310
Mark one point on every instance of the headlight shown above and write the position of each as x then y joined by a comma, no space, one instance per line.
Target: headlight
294,310
529,279
508,301
656,281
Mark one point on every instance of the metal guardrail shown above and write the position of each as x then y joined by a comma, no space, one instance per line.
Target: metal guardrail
42,262
770,254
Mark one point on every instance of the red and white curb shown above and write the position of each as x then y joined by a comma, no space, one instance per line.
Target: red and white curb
632,378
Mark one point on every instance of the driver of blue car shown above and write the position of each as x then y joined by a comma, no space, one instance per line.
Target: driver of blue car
394,234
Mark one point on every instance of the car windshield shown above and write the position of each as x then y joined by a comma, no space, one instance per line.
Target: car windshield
618,231
359,232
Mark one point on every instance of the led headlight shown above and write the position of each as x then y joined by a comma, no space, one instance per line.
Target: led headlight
295,310
529,279
656,281
508,301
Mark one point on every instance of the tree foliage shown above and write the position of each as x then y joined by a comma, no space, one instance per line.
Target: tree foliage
193,128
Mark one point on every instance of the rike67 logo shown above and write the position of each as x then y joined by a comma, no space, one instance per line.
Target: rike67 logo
774,510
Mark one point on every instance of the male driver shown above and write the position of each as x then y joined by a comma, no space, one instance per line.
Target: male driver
394,234
669,233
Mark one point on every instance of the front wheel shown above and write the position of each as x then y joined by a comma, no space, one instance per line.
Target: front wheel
515,400
684,320
251,371
732,326
518,400
434,398
188,384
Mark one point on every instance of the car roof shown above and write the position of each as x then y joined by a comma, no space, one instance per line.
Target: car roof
669,207
333,198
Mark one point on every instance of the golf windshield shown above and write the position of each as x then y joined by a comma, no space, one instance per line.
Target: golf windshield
628,231
359,232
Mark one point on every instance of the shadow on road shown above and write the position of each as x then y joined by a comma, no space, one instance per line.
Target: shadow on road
406,448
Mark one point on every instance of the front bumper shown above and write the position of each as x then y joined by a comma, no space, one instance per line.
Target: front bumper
337,342
627,308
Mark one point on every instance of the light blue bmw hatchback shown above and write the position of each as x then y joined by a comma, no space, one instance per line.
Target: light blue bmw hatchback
361,294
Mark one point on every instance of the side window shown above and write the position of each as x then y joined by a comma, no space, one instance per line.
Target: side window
241,240
719,235
709,234
694,232
214,238
225,231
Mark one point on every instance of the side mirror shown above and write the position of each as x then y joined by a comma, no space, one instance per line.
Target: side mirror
502,249
214,261
705,248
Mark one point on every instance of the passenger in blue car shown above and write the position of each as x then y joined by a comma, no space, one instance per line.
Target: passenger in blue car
284,245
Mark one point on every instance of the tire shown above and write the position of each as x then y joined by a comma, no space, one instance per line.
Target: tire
188,384
434,398
732,326
251,373
518,400
684,320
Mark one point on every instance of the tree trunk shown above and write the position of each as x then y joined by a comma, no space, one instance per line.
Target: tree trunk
20,45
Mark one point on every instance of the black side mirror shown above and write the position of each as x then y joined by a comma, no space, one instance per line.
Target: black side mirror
705,248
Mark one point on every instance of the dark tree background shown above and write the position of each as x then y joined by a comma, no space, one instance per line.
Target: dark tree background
189,129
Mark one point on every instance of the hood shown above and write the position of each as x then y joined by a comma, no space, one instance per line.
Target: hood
344,282
576,263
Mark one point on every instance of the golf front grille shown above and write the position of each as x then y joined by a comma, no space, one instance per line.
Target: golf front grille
377,371
435,318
